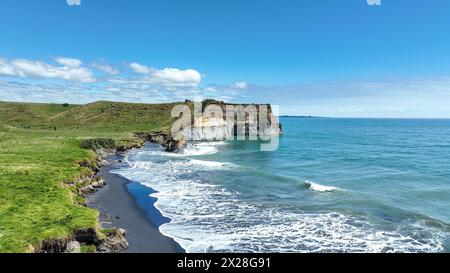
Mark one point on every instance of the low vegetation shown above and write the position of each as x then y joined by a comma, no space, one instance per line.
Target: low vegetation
42,147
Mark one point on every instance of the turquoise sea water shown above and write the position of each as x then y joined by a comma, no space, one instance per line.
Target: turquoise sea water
334,185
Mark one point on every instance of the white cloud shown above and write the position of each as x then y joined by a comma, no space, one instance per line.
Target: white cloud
70,71
69,62
6,69
74,2
139,68
168,76
240,85
106,68
177,77
148,84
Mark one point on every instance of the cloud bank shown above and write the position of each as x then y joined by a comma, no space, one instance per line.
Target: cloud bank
66,79
108,69
69,69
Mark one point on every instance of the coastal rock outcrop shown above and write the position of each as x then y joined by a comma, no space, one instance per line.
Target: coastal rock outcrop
114,242
92,185
247,121
52,246
219,121
163,139
87,235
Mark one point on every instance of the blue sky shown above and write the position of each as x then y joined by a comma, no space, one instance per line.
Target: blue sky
321,57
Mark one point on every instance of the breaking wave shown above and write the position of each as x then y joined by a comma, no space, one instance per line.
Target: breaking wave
320,188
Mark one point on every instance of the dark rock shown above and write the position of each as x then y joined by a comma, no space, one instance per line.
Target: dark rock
174,145
387,249
52,246
87,235
163,139
114,242
108,216
88,189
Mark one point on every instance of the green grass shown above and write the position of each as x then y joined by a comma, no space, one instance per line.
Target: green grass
113,116
40,149
19,114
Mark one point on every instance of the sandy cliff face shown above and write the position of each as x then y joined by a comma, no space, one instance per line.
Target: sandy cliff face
248,121
219,121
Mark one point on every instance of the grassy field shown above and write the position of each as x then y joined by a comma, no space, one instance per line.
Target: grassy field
40,149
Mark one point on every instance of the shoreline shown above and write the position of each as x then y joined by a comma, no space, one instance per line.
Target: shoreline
126,204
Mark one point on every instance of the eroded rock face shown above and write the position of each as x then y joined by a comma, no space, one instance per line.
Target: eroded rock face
87,235
114,242
175,145
163,139
246,120
92,186
220,127
52,246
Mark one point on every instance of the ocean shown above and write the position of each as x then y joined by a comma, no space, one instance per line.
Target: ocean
334,185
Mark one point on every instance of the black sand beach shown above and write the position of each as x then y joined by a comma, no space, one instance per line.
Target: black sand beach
126,204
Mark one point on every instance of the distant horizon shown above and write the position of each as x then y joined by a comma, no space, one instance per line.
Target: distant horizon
281,115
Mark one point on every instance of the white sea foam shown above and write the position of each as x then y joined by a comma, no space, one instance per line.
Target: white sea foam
198,149
211,164
210,218
212,143
321,188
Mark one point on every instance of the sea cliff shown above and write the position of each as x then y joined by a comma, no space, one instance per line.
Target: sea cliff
213,127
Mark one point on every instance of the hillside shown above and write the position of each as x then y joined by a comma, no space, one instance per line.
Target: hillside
109,116
18,114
